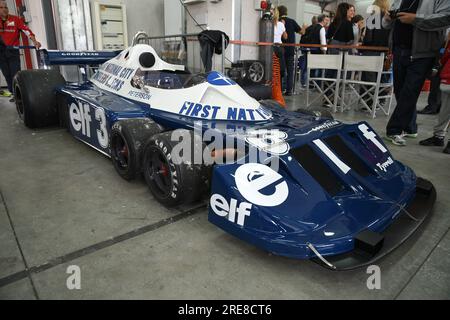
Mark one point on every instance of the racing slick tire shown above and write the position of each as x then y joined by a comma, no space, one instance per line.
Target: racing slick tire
173,182
128,140
35,96
317,112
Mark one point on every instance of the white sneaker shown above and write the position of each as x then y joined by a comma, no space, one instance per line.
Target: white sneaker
410,135
397,140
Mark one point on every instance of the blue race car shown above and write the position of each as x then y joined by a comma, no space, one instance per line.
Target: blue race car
336,195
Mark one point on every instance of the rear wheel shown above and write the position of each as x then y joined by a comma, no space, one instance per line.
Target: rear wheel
128,140
35,97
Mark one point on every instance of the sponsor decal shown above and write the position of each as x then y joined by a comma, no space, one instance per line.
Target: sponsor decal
81,119
113,76
80,54
211,112
371,136
218,79
236,212
326,126
384,166
11,24
139,95
270,141
261,185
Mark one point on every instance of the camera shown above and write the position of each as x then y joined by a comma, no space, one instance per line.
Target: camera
394,13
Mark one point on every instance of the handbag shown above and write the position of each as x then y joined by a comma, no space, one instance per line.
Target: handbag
388,61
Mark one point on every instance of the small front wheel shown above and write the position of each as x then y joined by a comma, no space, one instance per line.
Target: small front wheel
173,182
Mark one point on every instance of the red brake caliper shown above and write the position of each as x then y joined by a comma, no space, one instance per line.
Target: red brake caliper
124,151
164,171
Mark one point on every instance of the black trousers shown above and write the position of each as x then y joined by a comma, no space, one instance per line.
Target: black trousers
434,99
409,77
290,69
10,65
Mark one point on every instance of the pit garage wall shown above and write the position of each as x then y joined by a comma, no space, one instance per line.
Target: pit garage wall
142,15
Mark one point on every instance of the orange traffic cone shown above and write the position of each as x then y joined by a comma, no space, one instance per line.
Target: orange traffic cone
277,93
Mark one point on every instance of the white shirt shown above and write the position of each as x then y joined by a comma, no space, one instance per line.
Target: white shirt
323,39
280,28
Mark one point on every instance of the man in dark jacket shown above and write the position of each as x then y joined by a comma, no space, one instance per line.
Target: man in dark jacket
10,29
292,28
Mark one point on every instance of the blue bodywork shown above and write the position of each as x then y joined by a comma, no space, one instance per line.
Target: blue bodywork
370,195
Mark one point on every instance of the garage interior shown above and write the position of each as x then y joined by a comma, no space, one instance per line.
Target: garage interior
62,204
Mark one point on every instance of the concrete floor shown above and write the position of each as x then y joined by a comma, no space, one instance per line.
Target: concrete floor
62,204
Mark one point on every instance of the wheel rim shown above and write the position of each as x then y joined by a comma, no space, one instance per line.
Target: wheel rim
159,173
19,103
256,72
121,152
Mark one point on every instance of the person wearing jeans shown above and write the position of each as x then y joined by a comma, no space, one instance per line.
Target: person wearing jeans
10,28
416,38
440,131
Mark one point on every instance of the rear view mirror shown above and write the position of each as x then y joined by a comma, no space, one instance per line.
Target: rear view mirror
147,60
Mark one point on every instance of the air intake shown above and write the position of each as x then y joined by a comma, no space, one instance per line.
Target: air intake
317,168
347,155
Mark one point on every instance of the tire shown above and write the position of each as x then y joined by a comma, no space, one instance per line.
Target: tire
35,95
318,113
173,184
128,140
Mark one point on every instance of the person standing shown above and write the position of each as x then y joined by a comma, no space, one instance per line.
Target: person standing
375,36
341,29
279,65
440,131
10,28
339,33
292,28
417,35
306,39
358,31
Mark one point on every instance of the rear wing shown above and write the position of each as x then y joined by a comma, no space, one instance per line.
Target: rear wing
48,58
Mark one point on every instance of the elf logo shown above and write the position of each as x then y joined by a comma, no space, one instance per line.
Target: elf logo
236,213
261,185
81,119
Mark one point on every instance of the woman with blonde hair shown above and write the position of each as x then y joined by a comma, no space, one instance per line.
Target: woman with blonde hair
384,5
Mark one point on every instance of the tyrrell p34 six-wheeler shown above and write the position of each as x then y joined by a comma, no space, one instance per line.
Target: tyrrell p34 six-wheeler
337,195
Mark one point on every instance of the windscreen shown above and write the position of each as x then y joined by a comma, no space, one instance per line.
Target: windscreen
170,79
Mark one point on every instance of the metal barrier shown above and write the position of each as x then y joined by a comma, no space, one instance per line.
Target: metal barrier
184,49
302,47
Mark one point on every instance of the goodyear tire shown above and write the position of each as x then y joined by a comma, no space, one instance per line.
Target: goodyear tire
128,140
318,113
34,91
173,183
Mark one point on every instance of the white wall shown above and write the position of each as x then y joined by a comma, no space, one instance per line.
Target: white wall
146,15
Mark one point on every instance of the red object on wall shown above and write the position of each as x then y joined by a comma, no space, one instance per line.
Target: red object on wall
426,86
264,5
25,42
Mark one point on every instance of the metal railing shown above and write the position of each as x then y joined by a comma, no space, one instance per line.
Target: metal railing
185,49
